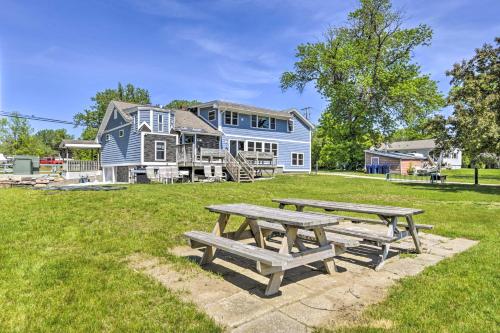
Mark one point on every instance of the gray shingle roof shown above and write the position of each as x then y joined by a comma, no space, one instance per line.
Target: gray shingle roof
409,145
185,121
400,156
224,105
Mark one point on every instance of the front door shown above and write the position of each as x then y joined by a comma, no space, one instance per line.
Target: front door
235,146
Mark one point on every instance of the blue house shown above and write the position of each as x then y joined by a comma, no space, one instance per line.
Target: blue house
247,141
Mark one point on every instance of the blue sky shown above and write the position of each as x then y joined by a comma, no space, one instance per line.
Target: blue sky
54,55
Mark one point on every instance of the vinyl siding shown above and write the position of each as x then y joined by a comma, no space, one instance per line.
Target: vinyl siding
121,150
144,117
244,128
204,115
297,141
165,122
112,123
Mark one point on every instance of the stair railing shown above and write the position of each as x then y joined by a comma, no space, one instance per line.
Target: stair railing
245,165
232,165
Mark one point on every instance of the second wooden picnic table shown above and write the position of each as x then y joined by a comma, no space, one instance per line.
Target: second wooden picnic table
388,215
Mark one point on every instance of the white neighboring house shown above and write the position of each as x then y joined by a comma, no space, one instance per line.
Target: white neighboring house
452,160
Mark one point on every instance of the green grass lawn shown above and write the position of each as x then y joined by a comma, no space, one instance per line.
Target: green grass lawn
62,254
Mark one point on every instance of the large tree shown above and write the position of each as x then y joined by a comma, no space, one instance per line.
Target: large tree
365,72
474,125
52,138
180,104
91,118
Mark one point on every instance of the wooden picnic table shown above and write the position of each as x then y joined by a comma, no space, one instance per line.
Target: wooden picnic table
388,215
268,262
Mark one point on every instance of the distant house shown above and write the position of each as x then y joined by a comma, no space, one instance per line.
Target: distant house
426,148
395,162
134,137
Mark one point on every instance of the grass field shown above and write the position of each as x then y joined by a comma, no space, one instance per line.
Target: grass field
62,254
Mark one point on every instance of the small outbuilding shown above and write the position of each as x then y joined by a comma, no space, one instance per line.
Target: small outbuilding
377,161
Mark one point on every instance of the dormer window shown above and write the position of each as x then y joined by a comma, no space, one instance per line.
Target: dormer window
231,118
211,115
160,123
290,125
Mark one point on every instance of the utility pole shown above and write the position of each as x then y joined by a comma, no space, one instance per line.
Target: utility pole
307,112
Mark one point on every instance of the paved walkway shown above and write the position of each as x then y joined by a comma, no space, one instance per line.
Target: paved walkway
309,298
341,174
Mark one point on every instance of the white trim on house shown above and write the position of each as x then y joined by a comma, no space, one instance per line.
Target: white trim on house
164,159
310,150
145,123
115,128
142,147
162,123
237,118
296,170
304,119
265,139
298,159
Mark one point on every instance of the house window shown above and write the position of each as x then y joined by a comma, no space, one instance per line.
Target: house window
108,137
290,125
188,138
160,150
375,160
267,147
261,121
273,123
160,123
211,115
231,118
297,159
251,146
274,149
258,146
121,133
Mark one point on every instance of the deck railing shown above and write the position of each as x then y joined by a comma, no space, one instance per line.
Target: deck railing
81,166
257,158
185,153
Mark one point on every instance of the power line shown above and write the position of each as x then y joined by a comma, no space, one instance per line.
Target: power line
307,112
36,118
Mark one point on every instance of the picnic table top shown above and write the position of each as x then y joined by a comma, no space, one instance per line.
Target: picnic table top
287,217
352,207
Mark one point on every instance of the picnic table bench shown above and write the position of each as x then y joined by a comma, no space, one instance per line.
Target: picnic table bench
388,216
260,220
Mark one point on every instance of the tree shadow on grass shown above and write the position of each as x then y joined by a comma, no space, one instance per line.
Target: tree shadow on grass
455,188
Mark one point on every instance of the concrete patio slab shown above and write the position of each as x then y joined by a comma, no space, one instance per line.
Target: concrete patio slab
308,298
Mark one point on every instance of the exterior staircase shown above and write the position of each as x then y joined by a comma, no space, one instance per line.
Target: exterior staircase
238,168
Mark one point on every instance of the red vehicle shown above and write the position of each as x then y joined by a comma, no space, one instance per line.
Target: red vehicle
50,160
